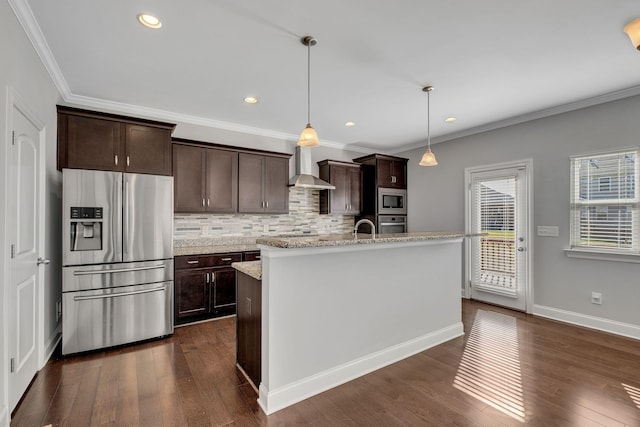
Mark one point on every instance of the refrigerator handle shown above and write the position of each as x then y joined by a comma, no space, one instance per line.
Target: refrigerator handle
125,215
117,217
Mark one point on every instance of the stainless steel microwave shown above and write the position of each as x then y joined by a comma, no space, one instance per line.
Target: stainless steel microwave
392,201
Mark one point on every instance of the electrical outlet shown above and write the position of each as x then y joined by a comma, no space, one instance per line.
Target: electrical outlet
596,298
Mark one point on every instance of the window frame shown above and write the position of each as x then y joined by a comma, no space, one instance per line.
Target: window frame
631,254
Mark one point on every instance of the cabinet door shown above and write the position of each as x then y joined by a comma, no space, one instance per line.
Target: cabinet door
384,173
191,293
339,196
399,171
148,150
355,188
250,183
276,180
221,182
223,291
94,144
188,178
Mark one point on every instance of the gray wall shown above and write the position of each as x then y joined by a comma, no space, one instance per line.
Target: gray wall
436,200
23,71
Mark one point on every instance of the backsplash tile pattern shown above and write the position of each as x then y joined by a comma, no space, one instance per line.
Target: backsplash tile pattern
303,219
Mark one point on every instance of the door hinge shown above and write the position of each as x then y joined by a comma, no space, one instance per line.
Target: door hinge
13,250
13,364
13,137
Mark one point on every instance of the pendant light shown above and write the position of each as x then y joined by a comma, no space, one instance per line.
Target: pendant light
428,158
308,137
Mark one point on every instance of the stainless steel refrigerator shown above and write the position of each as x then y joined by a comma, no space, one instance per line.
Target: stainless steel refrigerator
117,280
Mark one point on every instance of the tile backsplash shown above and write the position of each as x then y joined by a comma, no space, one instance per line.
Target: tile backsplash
303,219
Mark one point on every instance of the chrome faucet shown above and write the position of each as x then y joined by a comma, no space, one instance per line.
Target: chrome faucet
366,221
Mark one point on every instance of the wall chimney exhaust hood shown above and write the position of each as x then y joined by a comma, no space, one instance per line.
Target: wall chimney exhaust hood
303,177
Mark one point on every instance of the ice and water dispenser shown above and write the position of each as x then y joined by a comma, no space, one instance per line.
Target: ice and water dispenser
86,229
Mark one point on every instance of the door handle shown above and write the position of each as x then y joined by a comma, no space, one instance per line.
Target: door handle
521,249
44,261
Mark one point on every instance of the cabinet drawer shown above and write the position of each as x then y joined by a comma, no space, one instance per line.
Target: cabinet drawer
251,256
198,261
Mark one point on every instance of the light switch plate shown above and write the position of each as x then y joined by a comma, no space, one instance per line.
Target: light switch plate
548,230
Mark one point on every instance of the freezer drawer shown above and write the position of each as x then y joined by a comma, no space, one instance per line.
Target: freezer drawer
87,277
108,317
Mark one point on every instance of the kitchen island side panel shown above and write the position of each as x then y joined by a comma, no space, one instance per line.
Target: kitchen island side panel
332,314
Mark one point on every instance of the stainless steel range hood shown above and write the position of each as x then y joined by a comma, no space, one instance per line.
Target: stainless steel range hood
303,177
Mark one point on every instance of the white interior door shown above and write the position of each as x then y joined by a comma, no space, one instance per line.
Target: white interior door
25,235
498,261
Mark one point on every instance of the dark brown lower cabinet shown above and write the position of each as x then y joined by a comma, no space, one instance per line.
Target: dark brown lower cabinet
249,326
204,286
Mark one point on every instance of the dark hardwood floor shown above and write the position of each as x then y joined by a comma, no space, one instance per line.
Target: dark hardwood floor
508,369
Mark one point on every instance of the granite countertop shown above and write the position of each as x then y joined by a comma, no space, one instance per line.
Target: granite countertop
250,268
363,239
213,249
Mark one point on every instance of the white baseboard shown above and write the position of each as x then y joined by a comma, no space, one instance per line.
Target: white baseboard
599,323
50,346
274,400
4,417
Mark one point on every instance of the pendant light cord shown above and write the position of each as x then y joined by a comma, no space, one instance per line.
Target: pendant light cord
429,120
309,82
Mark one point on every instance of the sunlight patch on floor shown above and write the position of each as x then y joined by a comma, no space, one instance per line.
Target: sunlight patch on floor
634,393
490,367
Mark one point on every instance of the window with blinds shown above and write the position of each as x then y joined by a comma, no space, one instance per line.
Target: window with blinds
496,210
604,201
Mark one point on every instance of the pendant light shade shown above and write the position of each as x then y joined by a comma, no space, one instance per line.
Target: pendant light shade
633,31
308,137
428,158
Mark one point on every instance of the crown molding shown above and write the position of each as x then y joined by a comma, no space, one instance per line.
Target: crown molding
535,115
157,114
24,14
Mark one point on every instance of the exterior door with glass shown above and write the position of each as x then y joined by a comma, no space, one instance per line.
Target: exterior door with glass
498,259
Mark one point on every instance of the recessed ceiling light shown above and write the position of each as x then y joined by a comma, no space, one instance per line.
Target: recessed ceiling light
349,124
149,21
251,100
450,119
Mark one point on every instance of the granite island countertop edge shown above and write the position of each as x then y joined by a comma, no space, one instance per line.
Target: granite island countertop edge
346,240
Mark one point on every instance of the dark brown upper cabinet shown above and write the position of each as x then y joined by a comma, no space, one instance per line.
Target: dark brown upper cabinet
347,178
263,183
100,141
205,179
388,171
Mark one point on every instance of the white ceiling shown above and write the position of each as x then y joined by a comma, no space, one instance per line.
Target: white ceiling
492,63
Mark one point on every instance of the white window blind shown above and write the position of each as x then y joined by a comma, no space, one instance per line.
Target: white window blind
604,201
496,207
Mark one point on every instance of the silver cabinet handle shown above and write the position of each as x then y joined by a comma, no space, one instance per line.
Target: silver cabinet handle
521,249
118,270
44,261
120,294
206,278
267,203
227,259
128,161
213,277
192,261
115,159
393,223
203,202
208,202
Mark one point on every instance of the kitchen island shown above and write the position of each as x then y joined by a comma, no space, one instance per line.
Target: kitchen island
335,308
